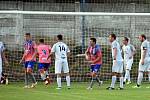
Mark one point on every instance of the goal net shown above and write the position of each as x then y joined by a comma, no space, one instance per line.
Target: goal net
77,28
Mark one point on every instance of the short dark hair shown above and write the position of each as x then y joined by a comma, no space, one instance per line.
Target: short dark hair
144,36
27,34
60,37
113,35
41,40
93,39
126,39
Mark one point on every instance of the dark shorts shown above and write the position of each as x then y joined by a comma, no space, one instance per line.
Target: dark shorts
43,65
95,68
29,64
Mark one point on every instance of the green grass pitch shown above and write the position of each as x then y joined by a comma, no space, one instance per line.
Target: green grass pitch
78,91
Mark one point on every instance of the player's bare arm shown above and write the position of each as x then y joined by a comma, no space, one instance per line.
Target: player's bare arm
143,56
115,53
50,55
22,59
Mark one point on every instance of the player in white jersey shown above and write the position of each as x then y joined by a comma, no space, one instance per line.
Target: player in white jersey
117,67
2,57
144,64
128,52
61,51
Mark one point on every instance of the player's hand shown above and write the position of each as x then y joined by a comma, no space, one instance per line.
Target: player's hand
20,61
86,57
114,62
142,62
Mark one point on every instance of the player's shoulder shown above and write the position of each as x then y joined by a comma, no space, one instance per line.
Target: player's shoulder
115,43
144,43
33,42
55,44
63,43
97,46
41,45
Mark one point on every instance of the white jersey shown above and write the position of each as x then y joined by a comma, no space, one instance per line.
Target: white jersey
1,49
145,46
116,45
60,49
128,51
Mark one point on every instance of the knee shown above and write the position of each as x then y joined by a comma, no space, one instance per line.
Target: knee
41,71
29,70
119,75
67,74
58,75
93,74
114,74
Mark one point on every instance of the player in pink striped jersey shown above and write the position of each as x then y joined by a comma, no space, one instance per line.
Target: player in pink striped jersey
29,60
94,57
43,51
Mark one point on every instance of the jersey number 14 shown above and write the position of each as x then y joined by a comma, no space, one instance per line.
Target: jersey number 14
62,48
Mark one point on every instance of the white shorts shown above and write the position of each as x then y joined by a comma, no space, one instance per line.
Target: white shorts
117,66
145,67
61,65
0,66
0,69
128,64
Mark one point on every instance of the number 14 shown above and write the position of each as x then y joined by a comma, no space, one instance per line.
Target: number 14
62,48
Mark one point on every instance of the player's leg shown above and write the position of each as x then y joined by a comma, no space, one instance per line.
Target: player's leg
98,80
148,76
97,70
113,81
58,67
0,70
129,65
26,75
126,72
68,80
148,72
140,75
127,76
42,72
30,73
121,81
115,69
120,71
92,77
59,81
66,71
46,67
